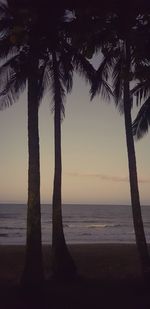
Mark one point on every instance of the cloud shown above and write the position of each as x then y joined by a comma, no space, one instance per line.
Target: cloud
108,177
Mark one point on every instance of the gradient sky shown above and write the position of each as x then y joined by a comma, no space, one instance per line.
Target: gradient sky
94,153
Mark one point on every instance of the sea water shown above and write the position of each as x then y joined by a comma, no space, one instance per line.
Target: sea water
82,223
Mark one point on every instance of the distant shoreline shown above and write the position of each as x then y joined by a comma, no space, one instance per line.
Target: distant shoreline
73,204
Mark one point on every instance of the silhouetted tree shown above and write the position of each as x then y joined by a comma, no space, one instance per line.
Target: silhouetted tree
63,60
120,51
23,68
63,264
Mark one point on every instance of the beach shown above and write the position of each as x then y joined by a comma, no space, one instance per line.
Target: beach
108,275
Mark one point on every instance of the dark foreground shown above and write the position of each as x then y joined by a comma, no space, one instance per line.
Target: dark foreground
109,277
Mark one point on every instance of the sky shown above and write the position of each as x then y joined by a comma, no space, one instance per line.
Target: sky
95,166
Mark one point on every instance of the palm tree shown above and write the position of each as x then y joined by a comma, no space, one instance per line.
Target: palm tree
63,265
20,69
33,271
63,60
120,55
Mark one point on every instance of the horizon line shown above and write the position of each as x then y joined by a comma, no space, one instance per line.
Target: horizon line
98,204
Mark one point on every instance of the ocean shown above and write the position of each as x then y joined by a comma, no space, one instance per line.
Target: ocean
82,223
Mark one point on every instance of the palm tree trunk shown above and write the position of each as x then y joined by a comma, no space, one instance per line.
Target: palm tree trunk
33,271
62,263
135,199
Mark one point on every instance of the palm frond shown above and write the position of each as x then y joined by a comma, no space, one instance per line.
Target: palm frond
47,78
66,69
142,121
41,81
80,63
6,21
4,28
56,89
8,64
141,91
7,49
67,80
4,10
12,92
83,67
117,76
13,81
100,84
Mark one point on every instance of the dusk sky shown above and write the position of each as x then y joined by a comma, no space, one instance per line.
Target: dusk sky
95,169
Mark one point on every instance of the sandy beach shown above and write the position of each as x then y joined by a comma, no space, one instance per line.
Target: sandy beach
109,276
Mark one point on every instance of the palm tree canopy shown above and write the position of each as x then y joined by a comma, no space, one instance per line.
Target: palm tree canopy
31,37
28,38
110,40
